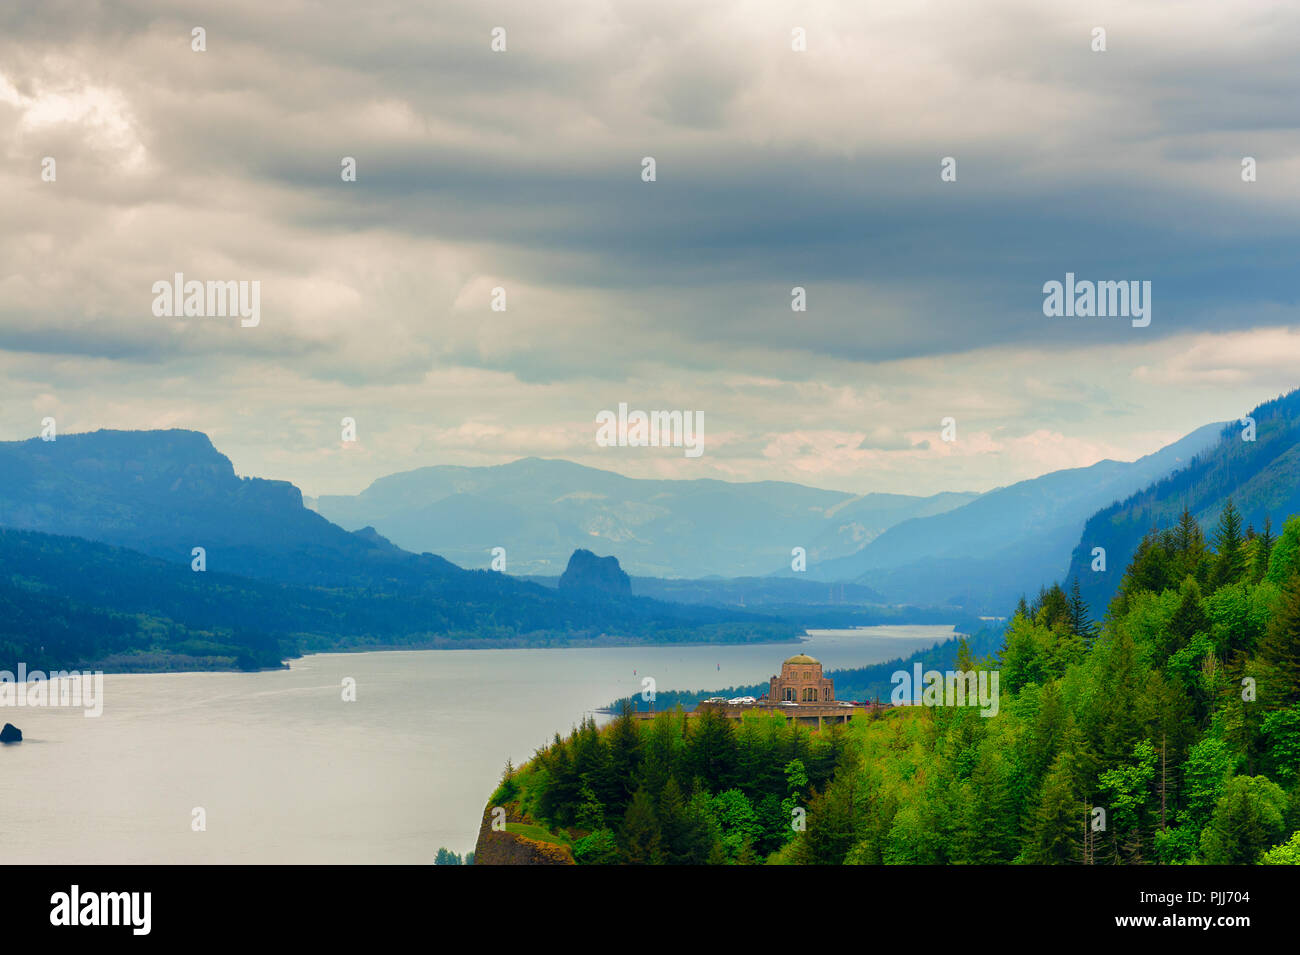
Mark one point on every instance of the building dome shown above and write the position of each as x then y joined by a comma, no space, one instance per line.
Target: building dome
801,658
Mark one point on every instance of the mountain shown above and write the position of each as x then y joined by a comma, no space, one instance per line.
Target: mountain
540,509
1261,476
588,573
272,565
70,603
164,493
984,553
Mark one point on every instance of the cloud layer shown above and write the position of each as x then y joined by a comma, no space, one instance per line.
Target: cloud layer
775,168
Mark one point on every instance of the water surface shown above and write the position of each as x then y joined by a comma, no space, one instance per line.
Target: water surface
289,773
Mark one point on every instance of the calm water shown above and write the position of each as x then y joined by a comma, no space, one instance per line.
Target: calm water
289,773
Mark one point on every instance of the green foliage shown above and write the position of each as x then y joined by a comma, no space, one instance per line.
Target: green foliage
1288,853
1281,729
597,848
1247,820
1147,717
1230,559
1279,651
68,603
1285,559
1209,766
1054,824
1261,552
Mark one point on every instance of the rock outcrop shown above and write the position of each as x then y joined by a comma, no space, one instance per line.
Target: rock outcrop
511,848
589,574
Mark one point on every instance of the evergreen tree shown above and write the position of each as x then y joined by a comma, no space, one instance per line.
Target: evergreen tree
1081,624
1248,819
640,835
1188,620
686,836
1053,607
831,825
1188,549
1263,550
1279,651
989,823
1229,561
624,761
1054,831
1149,570
710,751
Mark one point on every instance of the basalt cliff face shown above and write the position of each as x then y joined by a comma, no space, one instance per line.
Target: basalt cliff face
589,575
511,848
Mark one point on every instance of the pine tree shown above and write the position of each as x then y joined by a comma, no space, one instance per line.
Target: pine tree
1053,607
1052,835
1149,570
1279,651
1188,548
1081,624
1229,561
640,836
624,761
1263,550
1188,620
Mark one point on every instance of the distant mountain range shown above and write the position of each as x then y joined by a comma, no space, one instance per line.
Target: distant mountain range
98,531
1262,476
977,551
542,510
277,577
1008,541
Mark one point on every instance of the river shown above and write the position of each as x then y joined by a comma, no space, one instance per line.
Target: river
285,771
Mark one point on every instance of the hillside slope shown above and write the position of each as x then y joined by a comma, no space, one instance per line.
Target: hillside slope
1261,476
271,564
985,553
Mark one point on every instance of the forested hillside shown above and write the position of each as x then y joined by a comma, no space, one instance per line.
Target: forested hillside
983,554
1257,464
1179,719
67,603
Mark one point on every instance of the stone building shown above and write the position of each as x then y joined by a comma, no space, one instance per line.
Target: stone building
801,681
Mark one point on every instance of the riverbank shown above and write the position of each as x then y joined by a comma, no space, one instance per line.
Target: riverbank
289,770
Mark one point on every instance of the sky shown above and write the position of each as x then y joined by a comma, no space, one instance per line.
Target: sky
775,168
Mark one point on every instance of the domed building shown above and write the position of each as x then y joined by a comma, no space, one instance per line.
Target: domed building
801,681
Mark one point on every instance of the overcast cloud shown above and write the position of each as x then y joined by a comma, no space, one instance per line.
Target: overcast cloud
775,169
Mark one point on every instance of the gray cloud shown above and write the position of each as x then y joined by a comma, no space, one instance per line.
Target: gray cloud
775,169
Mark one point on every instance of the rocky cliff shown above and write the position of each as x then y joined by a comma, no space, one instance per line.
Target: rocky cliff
588,574
511,848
